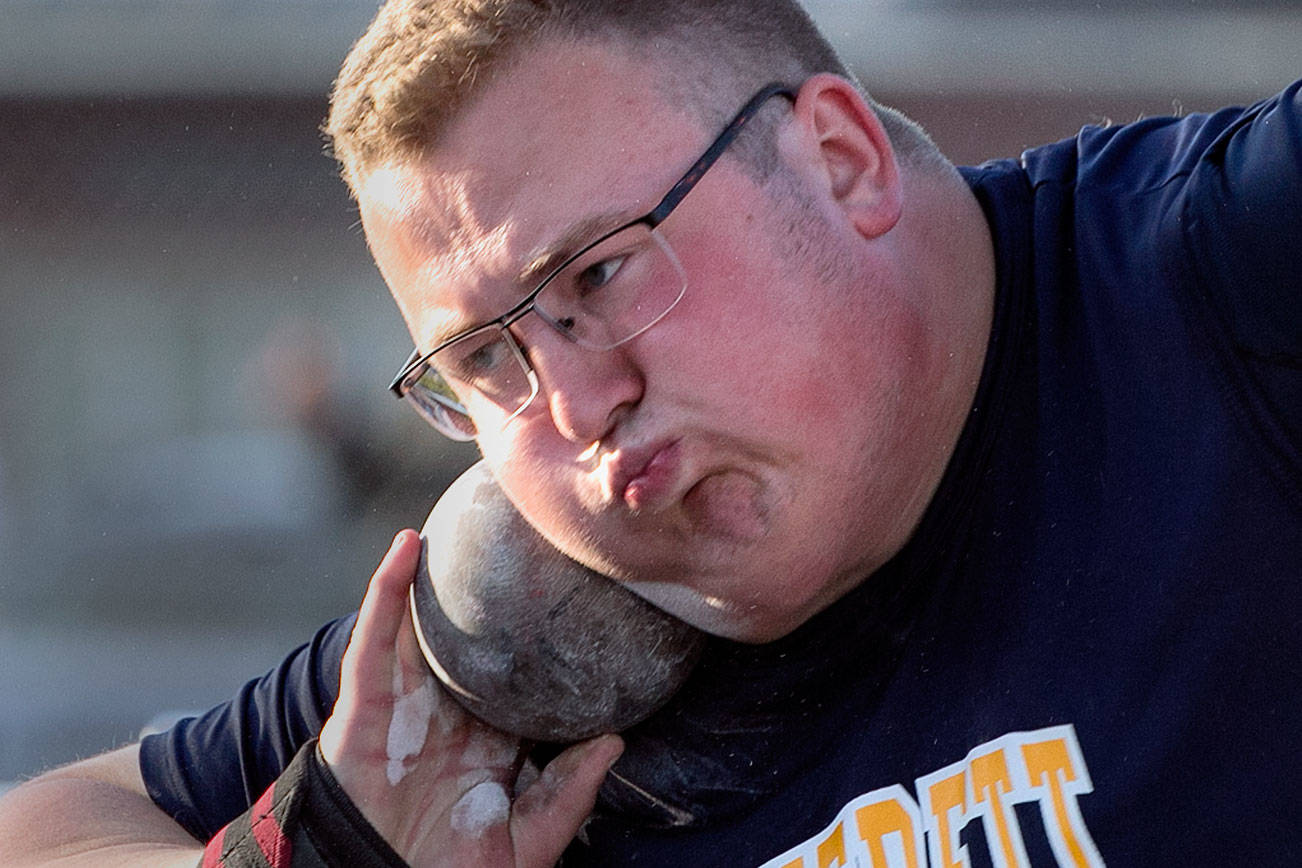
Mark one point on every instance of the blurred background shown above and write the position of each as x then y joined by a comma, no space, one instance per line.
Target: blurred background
199,462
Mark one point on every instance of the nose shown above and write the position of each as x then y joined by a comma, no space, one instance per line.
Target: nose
587,391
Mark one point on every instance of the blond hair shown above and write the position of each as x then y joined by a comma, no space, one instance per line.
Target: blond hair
421,60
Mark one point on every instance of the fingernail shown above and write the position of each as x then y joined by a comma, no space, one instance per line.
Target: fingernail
619,753
610,743
560,769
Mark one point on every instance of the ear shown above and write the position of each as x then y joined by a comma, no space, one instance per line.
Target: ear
851,152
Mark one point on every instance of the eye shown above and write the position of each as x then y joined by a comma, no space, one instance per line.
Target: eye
486,358
475,362
597,275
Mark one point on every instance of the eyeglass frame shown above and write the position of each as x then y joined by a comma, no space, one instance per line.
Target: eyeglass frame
651,220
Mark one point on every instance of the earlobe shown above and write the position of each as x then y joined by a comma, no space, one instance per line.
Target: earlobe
853,153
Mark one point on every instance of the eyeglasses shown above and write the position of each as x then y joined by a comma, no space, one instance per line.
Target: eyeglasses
606,294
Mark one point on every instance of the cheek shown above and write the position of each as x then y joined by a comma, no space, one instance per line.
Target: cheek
520,470
525,466
752,343
721,320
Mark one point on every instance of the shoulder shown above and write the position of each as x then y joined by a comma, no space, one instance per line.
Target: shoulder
205,770
1155,152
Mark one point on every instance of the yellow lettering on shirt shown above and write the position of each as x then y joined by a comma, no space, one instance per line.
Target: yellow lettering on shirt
889,817
889,835
831,852
1050,766
946,802
1044,767
990,783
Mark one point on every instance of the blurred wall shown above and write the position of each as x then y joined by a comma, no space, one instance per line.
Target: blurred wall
198,460
198,456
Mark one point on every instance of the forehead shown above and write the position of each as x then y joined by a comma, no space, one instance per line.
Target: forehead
566,140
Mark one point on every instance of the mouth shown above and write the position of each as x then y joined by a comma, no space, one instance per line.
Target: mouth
645,479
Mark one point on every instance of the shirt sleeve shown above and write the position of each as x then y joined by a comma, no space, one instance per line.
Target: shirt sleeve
1242,222
207,770
1243,225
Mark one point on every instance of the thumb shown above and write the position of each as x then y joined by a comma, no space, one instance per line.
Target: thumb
547,815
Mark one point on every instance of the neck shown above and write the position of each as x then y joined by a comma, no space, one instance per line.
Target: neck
950,254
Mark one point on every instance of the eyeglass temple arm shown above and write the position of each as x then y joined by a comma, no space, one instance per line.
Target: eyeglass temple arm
677,192
712,154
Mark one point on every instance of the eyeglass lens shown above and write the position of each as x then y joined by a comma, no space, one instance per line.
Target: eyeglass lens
607,295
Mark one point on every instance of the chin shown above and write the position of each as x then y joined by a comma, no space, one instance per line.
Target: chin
747,623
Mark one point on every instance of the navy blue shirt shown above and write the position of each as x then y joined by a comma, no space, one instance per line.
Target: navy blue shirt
1088,652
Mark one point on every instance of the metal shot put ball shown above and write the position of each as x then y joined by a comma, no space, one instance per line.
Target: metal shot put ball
529,640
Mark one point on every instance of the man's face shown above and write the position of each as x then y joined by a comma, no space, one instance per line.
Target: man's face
730,463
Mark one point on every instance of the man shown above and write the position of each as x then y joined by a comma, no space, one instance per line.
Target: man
986,481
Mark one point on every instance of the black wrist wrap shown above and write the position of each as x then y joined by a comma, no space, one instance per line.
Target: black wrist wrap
303,820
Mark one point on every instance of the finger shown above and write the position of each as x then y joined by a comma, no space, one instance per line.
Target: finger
549,813
366,682
383,609
386,596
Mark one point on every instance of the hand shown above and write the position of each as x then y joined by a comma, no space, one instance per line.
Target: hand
436,782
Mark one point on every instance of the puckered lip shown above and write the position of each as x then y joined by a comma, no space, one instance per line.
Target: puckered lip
644,476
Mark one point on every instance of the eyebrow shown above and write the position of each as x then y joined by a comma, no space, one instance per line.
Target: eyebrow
545,259
449,328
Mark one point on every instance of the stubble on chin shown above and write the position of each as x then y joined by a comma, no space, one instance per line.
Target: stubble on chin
710,614
729,506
